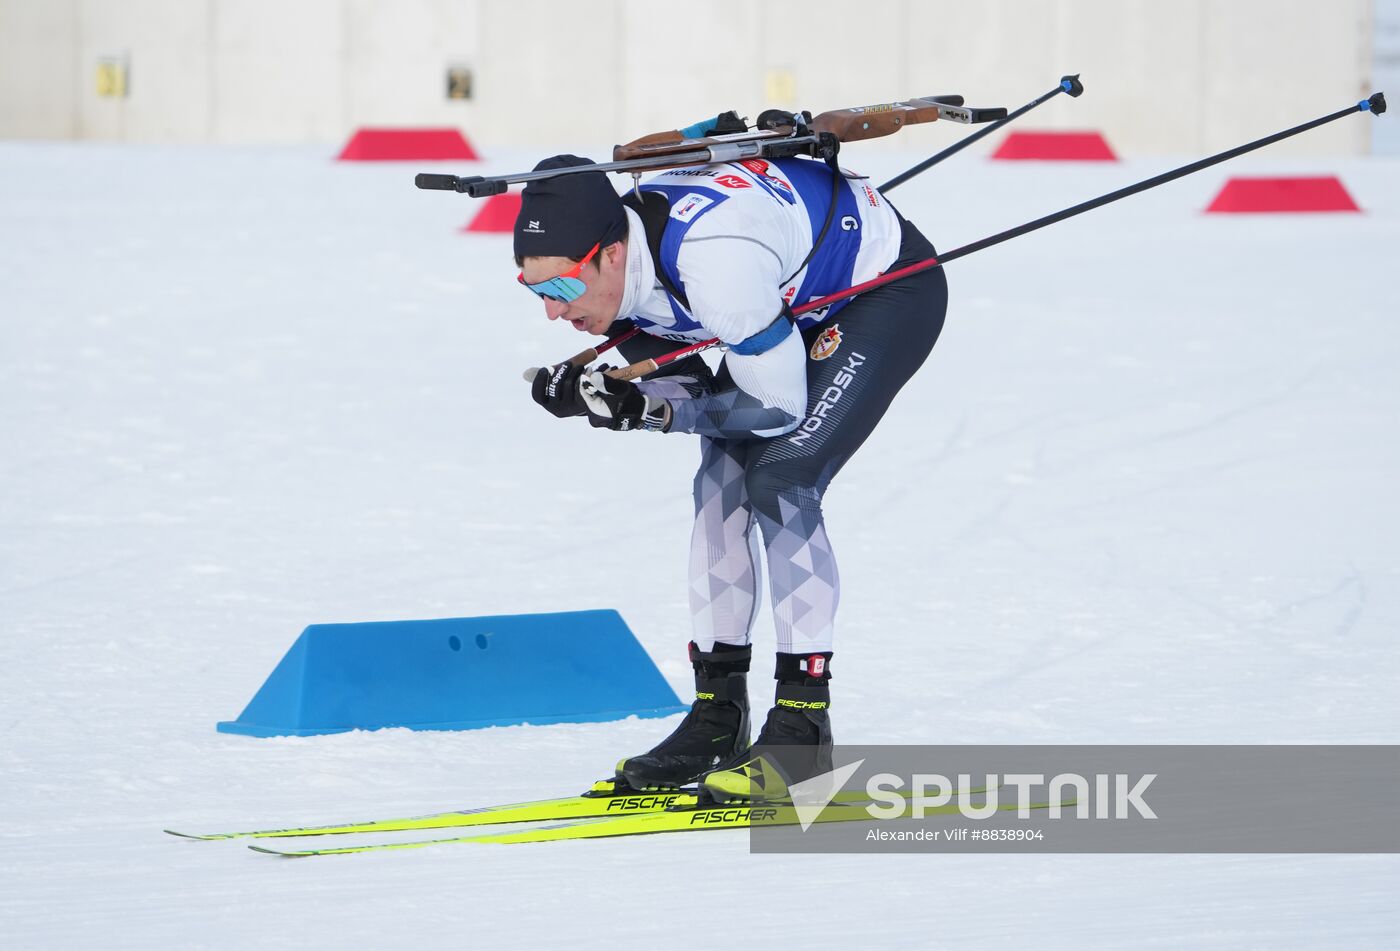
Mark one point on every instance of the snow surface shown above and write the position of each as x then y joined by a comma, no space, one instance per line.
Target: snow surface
1143,492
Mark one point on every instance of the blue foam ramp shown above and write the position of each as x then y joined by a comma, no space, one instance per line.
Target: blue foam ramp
458,674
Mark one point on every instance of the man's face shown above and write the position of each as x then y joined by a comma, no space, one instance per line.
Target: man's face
597,308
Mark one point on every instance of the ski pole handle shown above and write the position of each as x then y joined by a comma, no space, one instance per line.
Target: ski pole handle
585,357
637,370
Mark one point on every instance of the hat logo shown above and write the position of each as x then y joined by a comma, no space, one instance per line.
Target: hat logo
533,228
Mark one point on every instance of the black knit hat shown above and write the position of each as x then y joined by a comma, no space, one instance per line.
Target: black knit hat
568,214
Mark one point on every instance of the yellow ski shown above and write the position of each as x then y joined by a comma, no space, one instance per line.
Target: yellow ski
601,800
674,820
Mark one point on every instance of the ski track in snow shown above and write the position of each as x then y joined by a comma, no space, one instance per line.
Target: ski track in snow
1142,493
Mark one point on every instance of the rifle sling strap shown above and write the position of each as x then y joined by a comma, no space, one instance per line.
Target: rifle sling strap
655,210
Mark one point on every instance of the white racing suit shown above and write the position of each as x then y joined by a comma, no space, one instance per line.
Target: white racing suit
791,403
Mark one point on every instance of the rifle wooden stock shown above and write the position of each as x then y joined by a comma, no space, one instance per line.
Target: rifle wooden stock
673,143
848,125
872,122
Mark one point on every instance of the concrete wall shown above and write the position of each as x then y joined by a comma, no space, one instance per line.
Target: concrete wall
39,71
1385,73
1188,76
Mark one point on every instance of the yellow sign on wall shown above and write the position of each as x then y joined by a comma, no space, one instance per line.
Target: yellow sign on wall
111,78
780,87
459,82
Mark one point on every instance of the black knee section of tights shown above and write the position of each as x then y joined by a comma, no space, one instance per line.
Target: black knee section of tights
790,480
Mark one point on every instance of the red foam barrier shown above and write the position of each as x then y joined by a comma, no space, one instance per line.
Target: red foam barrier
401,145
1314,193
1055,147
497,215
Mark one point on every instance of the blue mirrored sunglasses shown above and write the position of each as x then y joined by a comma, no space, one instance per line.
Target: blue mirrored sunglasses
567,286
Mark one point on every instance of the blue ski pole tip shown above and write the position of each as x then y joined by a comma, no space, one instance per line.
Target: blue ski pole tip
1072,85
1375,104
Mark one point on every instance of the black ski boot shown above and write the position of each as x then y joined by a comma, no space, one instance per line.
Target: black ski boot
795,742
716,728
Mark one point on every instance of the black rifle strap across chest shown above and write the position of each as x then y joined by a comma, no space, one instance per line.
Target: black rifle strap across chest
655,210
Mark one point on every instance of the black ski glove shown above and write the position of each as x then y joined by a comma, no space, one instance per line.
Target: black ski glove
619,405
556,389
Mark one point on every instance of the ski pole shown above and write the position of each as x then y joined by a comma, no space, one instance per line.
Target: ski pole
1069,84
1375,104
585,357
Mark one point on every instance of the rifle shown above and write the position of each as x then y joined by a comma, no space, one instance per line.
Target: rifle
727,138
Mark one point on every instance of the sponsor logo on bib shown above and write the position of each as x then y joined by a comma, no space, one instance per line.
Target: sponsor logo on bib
690,206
